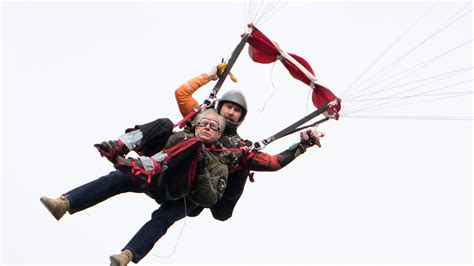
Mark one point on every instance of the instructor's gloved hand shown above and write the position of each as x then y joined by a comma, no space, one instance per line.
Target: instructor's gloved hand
216,72
311,137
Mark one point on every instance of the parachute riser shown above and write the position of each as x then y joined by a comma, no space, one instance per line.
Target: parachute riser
263,143
230,63
308,126
295,126
212,98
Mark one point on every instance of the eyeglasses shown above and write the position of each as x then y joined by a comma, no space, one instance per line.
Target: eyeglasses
204,122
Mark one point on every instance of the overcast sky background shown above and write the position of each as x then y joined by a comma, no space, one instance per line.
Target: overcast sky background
378,191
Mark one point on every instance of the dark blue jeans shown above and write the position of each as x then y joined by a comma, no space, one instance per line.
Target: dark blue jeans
116,183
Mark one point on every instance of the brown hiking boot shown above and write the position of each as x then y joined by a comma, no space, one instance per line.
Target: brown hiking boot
57,207
121,259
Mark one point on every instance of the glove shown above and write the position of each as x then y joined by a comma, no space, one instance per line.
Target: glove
220,69
311,137
111,149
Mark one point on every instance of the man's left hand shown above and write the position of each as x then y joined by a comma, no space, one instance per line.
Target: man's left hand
310,137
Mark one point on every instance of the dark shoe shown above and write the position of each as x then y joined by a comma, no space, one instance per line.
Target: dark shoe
111,149
57,207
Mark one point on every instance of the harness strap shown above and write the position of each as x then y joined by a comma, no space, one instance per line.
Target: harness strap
191,114
192,173
137,170
214,148
172,151
178,148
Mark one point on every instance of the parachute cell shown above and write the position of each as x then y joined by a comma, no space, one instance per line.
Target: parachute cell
265,51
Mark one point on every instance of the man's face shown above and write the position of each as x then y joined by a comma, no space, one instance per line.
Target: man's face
231,111
208,129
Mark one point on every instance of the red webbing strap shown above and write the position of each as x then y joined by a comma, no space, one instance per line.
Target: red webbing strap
181,123
156,168
192,173
172,151
137,170
176,149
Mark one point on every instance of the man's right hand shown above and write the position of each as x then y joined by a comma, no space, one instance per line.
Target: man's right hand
216,72
213,73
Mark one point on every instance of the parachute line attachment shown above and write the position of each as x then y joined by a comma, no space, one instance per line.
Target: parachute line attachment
295,126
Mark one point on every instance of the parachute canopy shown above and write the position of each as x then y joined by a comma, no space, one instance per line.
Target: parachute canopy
265,51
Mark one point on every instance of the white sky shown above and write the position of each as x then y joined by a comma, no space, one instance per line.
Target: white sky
379,191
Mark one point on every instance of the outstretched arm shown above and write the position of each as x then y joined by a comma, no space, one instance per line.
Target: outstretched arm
266,162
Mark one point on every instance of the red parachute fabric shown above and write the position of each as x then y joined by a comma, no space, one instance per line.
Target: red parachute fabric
263,50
